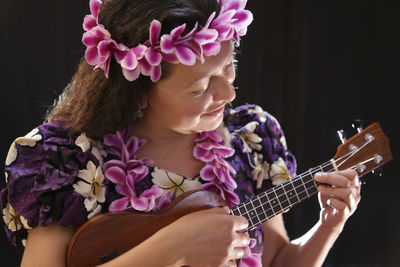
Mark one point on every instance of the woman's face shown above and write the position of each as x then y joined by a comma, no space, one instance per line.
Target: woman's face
192,98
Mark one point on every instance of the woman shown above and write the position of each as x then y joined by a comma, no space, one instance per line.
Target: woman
149,122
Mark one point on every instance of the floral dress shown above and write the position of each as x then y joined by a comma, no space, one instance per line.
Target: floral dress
54,177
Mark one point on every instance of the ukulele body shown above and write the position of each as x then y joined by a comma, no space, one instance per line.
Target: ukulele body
109,235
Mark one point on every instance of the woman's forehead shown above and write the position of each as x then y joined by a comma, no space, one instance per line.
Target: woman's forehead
211,65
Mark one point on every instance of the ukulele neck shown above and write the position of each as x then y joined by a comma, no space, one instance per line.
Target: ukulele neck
281,197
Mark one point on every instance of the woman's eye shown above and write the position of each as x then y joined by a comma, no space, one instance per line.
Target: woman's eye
200,92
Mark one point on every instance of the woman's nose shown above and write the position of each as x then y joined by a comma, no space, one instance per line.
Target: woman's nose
224,91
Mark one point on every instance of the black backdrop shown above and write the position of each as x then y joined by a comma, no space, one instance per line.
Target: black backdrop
316,65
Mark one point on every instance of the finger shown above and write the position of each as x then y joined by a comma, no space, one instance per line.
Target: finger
339,208
344,178
231,263
349,195
332,178
240,223
238,253
241,240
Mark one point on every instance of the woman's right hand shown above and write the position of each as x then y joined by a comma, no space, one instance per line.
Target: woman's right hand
209,237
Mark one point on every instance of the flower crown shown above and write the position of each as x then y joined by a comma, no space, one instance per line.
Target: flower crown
146,58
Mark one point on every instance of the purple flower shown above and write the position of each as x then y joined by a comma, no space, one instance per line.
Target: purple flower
175,44
90,21
127,172
206,38
250,259
233,20
210,148
229,196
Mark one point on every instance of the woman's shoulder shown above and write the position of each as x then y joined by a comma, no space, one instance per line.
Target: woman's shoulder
250,118
261,151
47,179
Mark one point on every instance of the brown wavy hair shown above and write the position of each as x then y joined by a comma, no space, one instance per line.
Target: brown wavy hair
97,105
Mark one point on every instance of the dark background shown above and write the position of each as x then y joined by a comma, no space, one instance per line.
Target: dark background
315,65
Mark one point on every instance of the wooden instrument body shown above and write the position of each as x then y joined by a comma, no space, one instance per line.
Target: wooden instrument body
111,234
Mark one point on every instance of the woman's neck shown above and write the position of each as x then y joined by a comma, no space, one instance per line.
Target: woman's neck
168,149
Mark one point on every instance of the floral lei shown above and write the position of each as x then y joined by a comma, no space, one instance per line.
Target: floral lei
126,170
145,59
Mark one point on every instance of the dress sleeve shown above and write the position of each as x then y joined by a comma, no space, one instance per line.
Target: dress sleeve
262,159
43,171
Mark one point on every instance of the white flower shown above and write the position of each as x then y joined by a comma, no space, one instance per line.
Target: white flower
261,169
13,219
92,187
96,209
99,152
28,140
260,112
279,172
12,154
225,134
83,142
174,183
249,138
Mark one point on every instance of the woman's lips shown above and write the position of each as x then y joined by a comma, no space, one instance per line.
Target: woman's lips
216,112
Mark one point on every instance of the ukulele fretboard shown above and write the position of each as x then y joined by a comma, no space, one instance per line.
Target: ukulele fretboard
280,198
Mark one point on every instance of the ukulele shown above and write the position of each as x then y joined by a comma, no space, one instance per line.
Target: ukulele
108,235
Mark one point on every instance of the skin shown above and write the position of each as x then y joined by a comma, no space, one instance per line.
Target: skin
193,97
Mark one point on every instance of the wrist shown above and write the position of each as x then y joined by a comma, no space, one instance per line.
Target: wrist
329,228
168,249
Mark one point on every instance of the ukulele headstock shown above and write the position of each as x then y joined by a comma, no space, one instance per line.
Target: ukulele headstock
365,151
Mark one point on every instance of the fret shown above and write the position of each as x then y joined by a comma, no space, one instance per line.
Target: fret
314,182
273,201
328,167
320,167
291,193
235,211
304,185
260,209
310,184
243,211
267,205
253,211
282,197
249,208
300,189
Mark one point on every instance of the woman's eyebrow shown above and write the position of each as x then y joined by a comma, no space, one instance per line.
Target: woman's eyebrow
201,76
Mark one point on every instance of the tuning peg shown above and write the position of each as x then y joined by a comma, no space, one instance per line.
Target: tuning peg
378,172
342,136
358,124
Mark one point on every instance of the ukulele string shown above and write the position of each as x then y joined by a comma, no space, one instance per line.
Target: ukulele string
354,167
295,188
352,152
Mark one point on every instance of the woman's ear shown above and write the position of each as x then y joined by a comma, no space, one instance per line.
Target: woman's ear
144,103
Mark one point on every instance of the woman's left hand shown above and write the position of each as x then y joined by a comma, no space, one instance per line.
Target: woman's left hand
339,198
